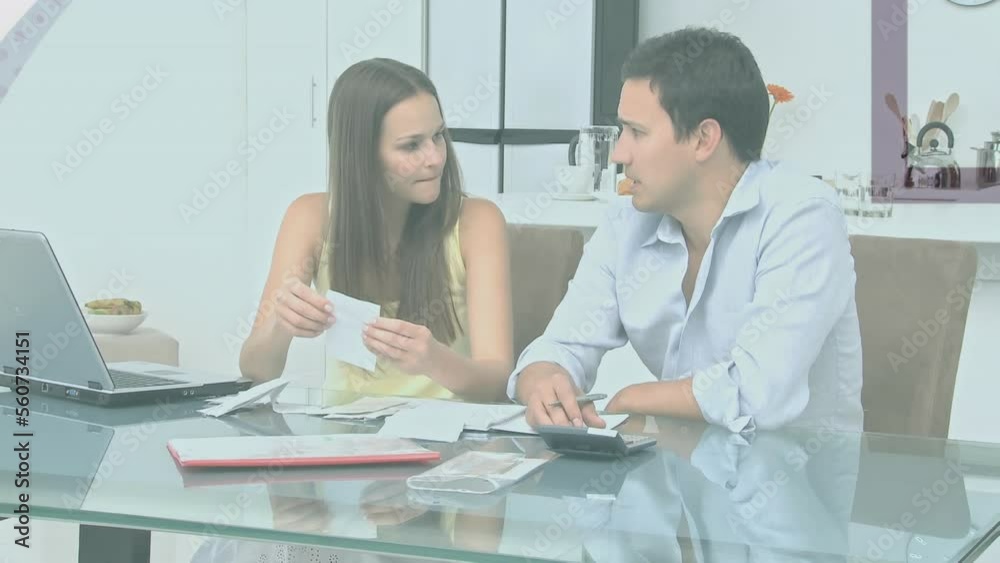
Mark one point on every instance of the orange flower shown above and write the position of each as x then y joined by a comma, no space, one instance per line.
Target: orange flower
625,187
780,93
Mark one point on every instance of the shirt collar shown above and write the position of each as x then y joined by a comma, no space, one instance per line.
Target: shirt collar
745,196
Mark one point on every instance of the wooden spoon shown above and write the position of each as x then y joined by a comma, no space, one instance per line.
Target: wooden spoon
890,101
950,106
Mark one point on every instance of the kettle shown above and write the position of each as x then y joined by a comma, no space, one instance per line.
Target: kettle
932,167
593,146
988,162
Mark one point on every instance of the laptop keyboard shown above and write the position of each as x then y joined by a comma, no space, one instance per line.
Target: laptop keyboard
125,379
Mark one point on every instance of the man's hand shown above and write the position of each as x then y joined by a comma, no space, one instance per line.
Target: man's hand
543,383
386,503
617,404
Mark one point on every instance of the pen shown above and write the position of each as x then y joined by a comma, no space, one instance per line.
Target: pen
581,399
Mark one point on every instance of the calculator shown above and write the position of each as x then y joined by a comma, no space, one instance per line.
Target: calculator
601,442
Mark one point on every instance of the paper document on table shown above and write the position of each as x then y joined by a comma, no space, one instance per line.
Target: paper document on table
483,418
426,421
369,408
444,421
476,473
520,424
293,408
264,392
366,405
344,339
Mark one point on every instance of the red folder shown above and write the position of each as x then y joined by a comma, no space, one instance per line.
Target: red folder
271,451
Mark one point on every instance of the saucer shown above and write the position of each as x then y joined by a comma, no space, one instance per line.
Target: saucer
574,197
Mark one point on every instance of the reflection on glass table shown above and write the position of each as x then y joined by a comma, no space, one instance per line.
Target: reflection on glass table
703,493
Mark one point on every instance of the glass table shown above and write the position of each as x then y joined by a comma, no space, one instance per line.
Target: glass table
702,494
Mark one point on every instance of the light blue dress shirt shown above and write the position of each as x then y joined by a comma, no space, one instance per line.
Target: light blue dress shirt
771,337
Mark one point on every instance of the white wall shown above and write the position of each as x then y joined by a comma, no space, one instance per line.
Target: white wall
804,47
807,45
950,49
171,205
114,213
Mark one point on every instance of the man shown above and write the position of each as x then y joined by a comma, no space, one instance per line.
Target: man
731,276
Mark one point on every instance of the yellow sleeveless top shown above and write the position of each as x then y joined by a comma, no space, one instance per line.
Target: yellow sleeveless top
345,380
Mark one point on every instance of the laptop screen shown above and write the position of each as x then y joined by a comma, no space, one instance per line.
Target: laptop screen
37,303
65,457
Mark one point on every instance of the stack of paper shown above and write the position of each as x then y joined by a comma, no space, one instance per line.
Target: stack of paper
444,421
432,421
368,408
520,425
263,393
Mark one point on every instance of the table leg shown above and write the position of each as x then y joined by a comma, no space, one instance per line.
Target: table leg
100,544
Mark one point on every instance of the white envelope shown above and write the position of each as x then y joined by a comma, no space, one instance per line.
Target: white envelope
344,339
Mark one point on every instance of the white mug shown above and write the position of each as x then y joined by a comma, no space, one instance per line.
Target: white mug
575,180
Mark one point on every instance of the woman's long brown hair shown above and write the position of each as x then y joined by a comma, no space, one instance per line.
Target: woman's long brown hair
361,257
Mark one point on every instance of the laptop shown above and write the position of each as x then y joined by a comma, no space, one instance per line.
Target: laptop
60,476
45,340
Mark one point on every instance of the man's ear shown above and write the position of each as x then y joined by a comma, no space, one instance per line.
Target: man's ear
708,136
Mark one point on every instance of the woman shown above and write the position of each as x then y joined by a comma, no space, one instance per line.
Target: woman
394,228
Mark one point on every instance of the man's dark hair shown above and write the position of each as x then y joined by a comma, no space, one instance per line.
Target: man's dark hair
702,73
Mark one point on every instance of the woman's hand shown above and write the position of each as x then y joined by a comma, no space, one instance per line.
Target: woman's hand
409,346
300,311
303,515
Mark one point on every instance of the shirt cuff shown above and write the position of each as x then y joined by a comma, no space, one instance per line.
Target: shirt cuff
717,391
719,455
546,352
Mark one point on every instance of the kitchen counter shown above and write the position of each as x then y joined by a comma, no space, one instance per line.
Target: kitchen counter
971,222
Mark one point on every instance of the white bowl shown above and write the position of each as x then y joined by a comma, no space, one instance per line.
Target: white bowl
114,324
